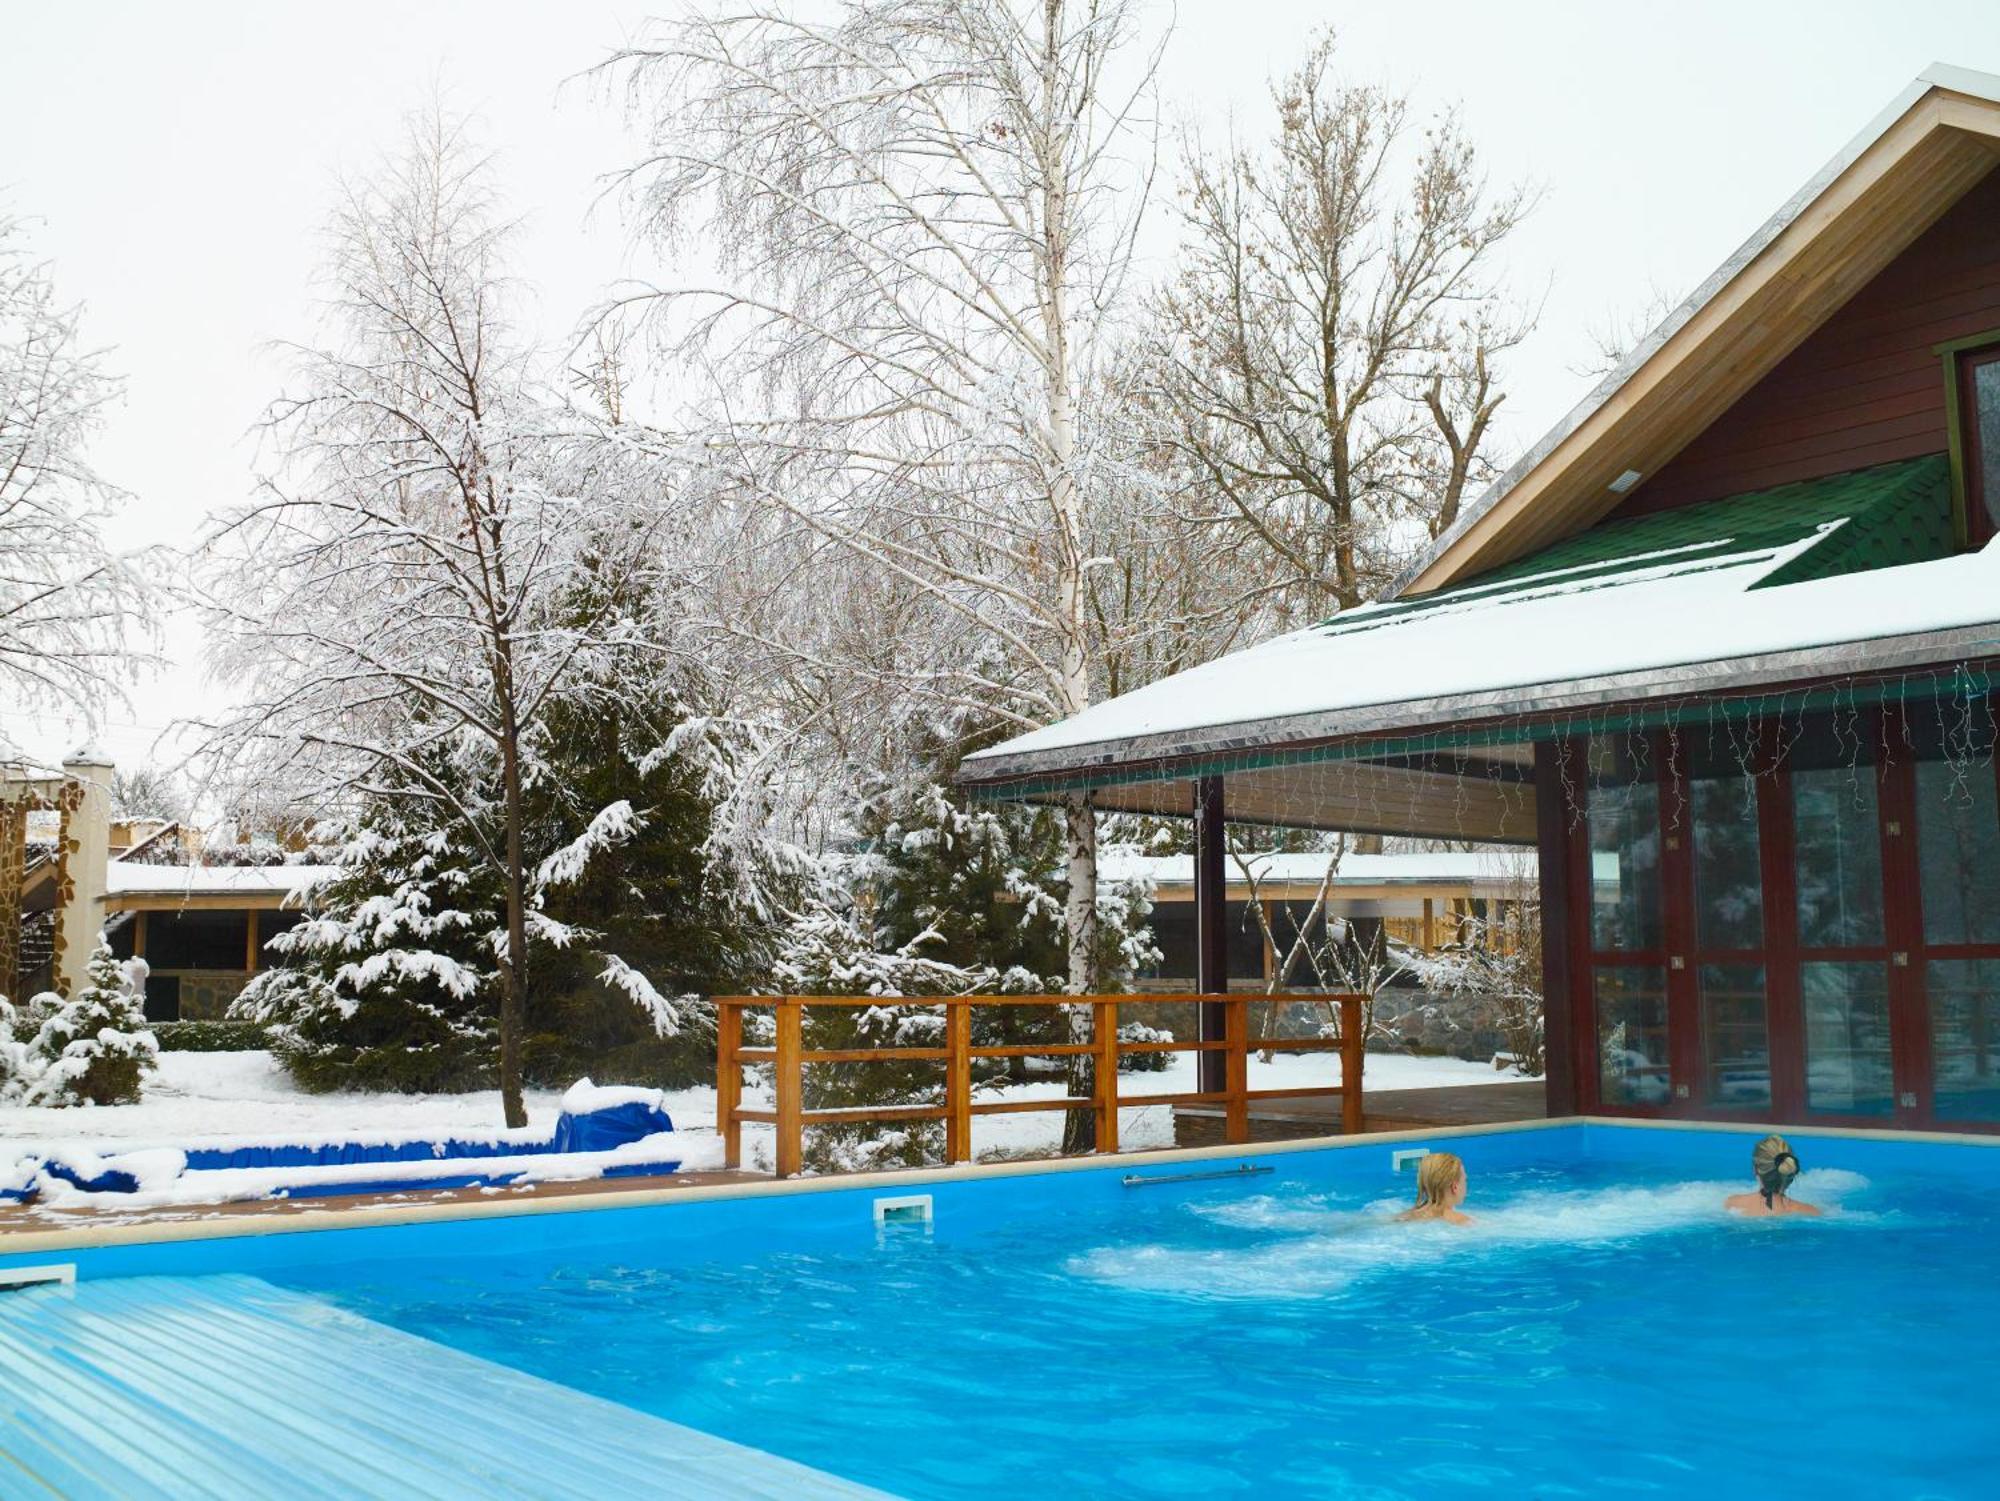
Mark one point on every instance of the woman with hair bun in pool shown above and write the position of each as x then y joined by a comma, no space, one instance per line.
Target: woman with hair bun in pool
1775,1166
1440,1190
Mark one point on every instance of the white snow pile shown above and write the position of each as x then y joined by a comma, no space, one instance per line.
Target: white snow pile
585,1098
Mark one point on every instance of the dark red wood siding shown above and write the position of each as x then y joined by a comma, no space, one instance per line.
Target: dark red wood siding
1865,388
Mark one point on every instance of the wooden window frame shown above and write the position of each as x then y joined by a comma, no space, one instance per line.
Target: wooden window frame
1782,956
1972,518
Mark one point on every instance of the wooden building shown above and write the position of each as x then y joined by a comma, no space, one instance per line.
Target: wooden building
199,916
1721,647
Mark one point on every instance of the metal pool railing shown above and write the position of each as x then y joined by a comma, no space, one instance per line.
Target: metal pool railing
789,1057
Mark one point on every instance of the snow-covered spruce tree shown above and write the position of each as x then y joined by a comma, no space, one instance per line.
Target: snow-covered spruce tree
983,888
396,598
923,217
662,908
387,983
832,947
93,1048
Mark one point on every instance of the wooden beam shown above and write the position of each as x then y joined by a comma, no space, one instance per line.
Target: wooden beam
1557,767
1211,919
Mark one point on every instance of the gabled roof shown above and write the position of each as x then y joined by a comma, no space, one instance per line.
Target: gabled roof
1934,142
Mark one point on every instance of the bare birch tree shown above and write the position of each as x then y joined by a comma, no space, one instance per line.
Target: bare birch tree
70,607
442,552
1326,355
922,212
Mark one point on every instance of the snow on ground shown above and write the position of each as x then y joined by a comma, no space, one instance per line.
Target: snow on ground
198,1098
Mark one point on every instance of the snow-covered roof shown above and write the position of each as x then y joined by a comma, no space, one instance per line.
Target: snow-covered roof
1662,627
127,878
1477,871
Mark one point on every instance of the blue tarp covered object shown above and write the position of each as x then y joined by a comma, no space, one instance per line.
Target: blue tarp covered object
592,1120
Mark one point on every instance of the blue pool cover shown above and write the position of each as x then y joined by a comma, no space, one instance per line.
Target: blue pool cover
229,1386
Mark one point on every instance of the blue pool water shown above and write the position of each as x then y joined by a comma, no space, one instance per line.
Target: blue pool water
1604,1329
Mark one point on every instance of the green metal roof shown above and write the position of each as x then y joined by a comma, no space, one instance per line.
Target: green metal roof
1867,518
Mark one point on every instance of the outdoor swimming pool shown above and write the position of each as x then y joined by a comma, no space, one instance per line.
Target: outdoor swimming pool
1605,1327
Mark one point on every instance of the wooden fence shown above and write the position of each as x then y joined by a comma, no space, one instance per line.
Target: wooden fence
789,1058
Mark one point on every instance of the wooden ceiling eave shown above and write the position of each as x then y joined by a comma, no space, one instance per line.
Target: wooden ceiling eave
1895,190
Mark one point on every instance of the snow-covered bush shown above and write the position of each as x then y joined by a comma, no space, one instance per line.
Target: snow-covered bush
1144,1063
832,948
92,1049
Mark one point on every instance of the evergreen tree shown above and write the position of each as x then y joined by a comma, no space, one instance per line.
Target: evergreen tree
92,1049
388,982
654,899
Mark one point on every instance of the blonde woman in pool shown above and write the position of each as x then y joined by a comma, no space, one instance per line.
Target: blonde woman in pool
1440,1190
1775,1166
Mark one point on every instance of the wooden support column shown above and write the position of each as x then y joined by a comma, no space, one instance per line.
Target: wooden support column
790,1083
1553,779
1211,929
958,1083
1104,1032
1353,1048
1236,1113
728,1081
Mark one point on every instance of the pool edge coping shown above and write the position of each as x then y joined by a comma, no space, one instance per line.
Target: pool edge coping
222,1227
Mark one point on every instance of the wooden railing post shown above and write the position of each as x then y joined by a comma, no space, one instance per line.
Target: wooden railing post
1104,1032
1353,1048
790,1087
958,1083
729,1082
1237,1110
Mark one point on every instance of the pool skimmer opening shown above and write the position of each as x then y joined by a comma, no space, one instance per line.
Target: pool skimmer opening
913,1211
1407,1157
18,1279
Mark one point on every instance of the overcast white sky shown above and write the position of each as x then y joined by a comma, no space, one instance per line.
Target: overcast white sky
180,160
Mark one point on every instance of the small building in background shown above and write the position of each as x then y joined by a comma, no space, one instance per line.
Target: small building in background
197,912
1424,902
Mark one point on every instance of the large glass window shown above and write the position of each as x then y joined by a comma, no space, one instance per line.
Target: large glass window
1624,821
1728,878
1965,1050
1736,1047
1839,855
1632,1067
1958,849
1849,1070
1979,439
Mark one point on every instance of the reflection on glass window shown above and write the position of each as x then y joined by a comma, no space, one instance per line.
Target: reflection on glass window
1965,1050
1624,823
1986,400
1632,1066
1736,1054
1958,848
1848,1070
1839,857
1729,882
